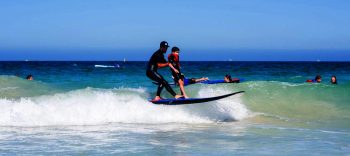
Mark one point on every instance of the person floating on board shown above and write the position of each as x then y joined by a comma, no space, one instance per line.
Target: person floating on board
174,60
317,79
205,80
334,80
156,61
228,79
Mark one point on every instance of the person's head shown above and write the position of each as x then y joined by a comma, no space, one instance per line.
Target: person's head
227,78
175,50
192,81
318,78
334,80
29,77
163,46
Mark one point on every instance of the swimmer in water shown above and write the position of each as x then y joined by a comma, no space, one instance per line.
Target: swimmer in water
334,80
29,77
317,79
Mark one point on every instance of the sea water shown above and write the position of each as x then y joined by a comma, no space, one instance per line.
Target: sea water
92,108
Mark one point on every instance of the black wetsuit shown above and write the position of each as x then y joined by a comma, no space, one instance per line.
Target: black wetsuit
152,67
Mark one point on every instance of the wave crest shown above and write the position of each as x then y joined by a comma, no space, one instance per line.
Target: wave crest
99,106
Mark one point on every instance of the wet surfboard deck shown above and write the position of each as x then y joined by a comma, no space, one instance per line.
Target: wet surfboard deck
183,101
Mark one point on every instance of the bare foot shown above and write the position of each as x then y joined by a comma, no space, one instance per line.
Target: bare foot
185,96
178,96
157,98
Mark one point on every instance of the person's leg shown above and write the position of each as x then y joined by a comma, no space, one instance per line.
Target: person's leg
152,76
159,90
182,88
202,79
158,78
165,84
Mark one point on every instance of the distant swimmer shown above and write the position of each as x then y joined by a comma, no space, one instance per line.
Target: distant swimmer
334,80
156,61
29,77
174,60
229,79
317,79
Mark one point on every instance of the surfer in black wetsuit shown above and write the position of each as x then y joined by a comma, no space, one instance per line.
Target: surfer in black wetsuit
156,61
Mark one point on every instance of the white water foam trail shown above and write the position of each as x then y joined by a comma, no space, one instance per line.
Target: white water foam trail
96,106
103,66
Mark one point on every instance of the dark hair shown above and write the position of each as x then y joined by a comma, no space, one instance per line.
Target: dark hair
192,81
175,49
228,76
29,76
335,82
318,77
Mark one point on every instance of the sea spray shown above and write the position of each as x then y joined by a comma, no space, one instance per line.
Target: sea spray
99,106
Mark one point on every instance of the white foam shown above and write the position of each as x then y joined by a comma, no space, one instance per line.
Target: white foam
103,66
96,106
7,88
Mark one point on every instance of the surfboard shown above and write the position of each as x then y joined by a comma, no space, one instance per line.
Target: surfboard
235,80
182,101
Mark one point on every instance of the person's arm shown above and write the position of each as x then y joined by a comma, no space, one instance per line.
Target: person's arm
173,68
161,61
162,65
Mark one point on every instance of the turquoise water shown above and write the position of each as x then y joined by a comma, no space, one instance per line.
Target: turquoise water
80,108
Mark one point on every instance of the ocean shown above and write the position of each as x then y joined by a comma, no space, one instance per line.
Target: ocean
102,108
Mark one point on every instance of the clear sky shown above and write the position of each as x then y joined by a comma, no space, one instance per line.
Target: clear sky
204,30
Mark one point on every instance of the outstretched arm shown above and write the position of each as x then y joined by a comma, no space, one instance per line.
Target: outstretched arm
162,65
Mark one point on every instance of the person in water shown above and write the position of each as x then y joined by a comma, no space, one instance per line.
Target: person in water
29,77
317,79
334,80
228,79
156,61
178,77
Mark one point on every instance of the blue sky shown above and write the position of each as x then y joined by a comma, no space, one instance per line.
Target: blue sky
204,30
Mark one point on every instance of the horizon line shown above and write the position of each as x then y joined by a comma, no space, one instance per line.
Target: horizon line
316,61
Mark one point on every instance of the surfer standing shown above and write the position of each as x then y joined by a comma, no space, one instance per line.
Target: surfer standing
174,60
156,61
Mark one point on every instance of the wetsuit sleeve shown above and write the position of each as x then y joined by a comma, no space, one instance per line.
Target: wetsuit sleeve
160,58
171,60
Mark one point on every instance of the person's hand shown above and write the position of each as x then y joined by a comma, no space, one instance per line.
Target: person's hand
176,71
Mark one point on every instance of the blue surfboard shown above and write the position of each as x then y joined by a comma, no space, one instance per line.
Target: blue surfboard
183,101
235,80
